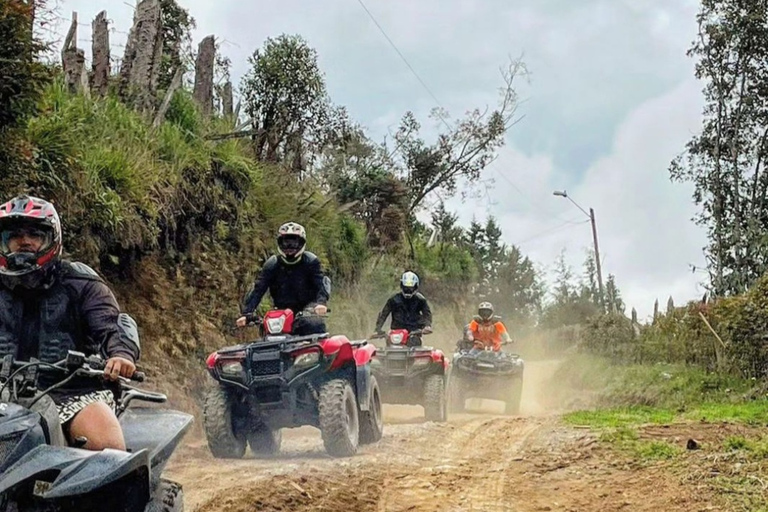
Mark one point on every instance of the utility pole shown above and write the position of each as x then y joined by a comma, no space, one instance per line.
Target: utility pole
597,259
591,215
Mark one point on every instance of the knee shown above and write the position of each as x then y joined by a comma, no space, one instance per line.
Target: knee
98,424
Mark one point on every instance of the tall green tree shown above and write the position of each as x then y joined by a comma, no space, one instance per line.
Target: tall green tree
285,96
462,150
177,25
726,160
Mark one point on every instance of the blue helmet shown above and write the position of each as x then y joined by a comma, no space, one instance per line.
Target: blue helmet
409,283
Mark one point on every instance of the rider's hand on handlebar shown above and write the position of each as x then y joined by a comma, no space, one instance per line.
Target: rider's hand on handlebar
119,367
427,330
241,321
321,309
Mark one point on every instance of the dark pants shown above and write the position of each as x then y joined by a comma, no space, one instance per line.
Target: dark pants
304,326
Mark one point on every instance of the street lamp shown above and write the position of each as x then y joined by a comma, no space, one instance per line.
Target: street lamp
591,216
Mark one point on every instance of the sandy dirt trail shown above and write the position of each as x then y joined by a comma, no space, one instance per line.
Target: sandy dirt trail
481,461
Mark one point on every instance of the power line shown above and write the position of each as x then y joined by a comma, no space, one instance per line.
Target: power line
394,46
552,230
437,102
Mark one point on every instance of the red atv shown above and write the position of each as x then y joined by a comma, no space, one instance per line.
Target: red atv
284,381
412,375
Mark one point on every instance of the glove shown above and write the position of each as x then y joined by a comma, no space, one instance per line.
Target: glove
427,330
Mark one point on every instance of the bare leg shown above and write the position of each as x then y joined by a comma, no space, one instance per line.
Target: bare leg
98,423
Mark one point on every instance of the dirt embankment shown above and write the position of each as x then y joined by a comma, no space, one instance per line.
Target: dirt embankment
480,461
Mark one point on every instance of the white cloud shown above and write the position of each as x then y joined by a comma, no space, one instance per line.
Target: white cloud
645,235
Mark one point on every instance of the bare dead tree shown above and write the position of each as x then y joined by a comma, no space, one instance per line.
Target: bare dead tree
203,91
101,54
138,74
73,61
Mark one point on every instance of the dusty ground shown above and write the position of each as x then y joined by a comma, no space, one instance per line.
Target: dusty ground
481,461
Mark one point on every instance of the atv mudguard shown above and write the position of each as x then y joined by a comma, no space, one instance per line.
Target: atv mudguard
156,430
151,434
363,386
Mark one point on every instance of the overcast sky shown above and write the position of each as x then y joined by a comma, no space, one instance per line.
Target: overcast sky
610,100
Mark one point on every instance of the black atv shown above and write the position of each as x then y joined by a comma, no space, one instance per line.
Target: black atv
412,375
40,473
485,374
285,381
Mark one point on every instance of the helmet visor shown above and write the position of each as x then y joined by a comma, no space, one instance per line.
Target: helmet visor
485,314
290,244
25,238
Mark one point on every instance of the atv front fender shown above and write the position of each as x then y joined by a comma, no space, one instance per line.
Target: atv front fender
363,386
79,471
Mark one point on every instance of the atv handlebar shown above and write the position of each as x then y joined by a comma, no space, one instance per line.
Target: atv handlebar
76,364
382,335
253,320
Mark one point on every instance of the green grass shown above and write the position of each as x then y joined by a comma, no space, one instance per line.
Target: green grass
629,398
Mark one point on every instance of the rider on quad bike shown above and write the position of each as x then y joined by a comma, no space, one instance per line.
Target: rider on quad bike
49,306
294,373
409,310
486,330
294,279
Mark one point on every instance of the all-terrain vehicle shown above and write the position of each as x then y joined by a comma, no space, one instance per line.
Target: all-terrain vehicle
283,381
412,375
41,473
485,374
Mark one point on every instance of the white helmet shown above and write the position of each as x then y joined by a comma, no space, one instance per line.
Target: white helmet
485,310
291,241
409,283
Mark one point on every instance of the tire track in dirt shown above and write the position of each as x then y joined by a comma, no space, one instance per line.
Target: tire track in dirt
416,466
475,462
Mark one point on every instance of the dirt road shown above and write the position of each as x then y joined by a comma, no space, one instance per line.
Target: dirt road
482,461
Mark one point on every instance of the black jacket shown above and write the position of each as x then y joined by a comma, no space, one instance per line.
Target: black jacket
78,312
291,286
410,314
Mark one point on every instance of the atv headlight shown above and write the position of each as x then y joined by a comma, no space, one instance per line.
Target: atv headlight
275,325
396,339
232,369
307,359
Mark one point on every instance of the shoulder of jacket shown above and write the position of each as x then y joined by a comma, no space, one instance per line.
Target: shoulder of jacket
310,257
78,270
421,297
271,262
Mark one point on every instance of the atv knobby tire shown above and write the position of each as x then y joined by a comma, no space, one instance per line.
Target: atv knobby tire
372,421
339,421
223,441
515,394
456,399
264,441
167,498
434,398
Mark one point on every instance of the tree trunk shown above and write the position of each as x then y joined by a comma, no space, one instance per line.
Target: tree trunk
203,92
101,56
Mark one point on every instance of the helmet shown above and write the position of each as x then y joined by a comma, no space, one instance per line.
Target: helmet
409,283
291,241
485,310
32,220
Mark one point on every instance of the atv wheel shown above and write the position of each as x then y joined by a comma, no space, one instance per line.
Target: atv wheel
456,400
371,421
434,398
339,421
223,440
515,395
168,498
264,441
